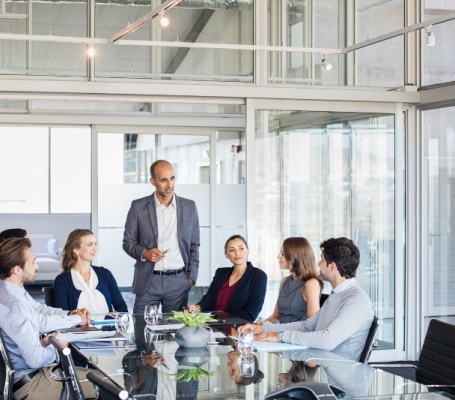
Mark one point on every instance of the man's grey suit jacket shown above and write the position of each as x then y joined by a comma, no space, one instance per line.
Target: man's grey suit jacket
141,233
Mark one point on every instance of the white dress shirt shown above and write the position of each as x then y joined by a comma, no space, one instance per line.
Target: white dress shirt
344,285
167,236
90,298
50,318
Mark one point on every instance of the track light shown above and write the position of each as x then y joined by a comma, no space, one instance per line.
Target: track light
164,22
431,39
326,64
91,50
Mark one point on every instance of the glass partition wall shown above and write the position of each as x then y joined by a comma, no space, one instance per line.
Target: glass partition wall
331,174
438,218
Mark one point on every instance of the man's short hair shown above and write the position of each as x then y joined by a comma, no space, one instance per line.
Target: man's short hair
15,233
155,164
344,253
12,253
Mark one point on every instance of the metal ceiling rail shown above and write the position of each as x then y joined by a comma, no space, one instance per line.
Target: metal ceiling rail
224,46
399,32
144,20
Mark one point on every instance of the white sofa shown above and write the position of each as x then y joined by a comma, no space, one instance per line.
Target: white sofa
47,251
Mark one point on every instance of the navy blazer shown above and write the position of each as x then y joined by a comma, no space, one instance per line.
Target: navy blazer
248,297
66,296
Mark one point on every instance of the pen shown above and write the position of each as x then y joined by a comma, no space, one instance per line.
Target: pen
165,251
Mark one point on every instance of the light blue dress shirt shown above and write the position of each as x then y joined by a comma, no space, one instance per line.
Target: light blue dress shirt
50,318
20,330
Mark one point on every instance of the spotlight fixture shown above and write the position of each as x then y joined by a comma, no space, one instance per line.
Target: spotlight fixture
91,51
326,64
431,39
163,22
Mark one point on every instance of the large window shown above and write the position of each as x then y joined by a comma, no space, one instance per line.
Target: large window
438,191
45,170
331,24
325,174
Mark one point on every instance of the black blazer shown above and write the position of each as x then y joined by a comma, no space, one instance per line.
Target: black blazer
248,297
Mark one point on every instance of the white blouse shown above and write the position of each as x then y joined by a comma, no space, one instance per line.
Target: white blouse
90,298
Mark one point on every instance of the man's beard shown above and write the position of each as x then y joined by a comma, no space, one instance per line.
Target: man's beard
30,278
164,194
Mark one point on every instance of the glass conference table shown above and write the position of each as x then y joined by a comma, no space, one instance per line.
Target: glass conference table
156,368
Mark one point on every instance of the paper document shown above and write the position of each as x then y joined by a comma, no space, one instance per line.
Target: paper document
83,336
213,335
270,346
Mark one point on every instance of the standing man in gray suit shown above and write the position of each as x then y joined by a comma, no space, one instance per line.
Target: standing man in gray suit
162,235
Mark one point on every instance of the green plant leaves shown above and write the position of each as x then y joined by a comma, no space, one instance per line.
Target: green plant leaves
192,373
194,320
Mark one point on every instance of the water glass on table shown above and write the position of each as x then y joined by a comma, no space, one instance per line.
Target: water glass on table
122,321
246,342
246,364
151,314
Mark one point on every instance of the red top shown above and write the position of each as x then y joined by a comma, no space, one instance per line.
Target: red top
224,295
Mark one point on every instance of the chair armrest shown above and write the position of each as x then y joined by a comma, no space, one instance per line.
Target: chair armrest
392,366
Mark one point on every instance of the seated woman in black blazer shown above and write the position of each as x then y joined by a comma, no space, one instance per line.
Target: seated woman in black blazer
239,290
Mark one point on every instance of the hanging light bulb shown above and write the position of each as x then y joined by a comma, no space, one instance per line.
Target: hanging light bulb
326,64
431,39
91,50
164,22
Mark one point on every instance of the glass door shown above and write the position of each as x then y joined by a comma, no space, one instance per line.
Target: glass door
331,173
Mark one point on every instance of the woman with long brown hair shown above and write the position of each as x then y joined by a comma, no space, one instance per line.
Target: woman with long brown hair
82,285
298,298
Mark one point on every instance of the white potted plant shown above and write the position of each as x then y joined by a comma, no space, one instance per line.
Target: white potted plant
194,334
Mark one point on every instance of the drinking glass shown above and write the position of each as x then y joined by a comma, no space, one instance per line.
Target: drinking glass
246,342
122,321
246,364
151,314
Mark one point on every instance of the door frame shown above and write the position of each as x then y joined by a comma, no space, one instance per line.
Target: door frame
400,218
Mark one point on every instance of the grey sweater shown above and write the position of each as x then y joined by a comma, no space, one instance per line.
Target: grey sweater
341,325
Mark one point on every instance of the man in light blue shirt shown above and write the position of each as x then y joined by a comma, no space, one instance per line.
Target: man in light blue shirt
49,318
20,326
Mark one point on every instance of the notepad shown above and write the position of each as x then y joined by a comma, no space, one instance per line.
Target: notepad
83,336
271,346
167,327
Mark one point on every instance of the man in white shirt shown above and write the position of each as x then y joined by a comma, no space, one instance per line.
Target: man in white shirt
162,235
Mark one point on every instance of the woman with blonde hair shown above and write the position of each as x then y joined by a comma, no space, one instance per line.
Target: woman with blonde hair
299,294
82,285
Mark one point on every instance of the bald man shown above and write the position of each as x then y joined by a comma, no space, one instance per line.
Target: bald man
162,235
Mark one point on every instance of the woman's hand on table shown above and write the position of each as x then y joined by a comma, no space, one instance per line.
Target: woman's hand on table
267,337
256,329
194,309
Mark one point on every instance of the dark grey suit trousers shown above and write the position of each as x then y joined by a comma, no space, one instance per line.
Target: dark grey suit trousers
171,291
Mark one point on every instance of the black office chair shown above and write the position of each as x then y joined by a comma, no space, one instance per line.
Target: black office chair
306,391
323,298
371,342
107,389
436,365
71,389
49,296
6,371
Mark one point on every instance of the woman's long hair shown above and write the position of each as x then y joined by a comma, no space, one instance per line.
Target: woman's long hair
74,241
300,258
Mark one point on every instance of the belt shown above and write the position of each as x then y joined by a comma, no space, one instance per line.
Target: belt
24,380
172,272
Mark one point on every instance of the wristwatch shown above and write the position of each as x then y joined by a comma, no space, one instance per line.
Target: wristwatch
279,337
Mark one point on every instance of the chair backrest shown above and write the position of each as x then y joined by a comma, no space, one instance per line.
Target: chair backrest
436,365
49,296
323,298
365,356
107,389
306,391
71,383
6,370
